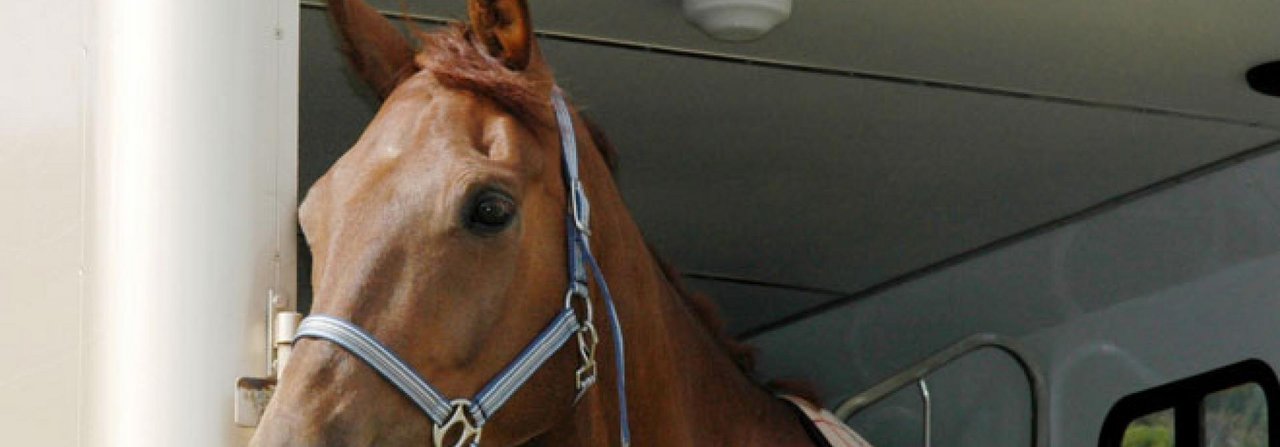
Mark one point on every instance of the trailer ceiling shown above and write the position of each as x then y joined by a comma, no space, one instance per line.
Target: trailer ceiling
863,141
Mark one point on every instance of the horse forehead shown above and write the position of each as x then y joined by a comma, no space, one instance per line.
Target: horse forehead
430,131
421,123
433,121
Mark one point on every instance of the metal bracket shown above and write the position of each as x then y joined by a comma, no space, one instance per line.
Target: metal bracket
252,396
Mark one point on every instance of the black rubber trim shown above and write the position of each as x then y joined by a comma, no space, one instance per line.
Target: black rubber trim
1185,397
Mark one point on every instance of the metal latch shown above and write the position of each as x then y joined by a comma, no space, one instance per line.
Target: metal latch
254,393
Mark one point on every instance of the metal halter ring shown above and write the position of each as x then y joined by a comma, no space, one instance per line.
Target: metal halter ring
460,420
580,291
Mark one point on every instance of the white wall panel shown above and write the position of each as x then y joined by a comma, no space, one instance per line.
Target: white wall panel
194,163
41,219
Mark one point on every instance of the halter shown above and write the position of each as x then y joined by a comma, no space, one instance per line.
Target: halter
467,417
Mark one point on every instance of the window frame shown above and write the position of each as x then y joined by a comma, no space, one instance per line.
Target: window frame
1186,398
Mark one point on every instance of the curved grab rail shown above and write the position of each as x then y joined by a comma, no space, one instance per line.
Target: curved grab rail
944,357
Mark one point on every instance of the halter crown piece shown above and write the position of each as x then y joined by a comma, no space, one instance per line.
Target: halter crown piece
466,417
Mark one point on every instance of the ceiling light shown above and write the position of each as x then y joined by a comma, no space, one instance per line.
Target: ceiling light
737,20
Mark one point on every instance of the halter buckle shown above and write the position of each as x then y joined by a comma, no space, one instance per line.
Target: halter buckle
580,207
460,421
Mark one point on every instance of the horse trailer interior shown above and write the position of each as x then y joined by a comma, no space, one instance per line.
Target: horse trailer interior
965,223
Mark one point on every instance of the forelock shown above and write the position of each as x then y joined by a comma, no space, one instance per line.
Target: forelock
455,62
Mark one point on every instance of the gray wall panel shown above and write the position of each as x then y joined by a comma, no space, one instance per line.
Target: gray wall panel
1170,285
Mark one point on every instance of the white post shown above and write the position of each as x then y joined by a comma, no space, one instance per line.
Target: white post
42,163
193,122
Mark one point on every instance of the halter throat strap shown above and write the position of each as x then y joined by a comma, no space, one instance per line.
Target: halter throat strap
467,417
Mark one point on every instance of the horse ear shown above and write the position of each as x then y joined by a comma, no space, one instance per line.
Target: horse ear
504,28
375,48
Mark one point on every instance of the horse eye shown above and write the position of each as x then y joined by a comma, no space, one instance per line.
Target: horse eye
491,212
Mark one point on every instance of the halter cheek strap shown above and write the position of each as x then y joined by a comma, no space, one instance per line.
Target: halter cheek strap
580,257
466,417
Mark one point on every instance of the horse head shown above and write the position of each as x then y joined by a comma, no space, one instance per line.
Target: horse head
441,234
455,251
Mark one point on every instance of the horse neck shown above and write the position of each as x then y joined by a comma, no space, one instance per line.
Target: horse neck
682,387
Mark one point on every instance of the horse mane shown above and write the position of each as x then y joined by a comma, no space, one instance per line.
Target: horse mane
705,309
456,62
744,355
701,304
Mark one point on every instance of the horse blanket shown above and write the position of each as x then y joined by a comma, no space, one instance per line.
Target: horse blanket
825,429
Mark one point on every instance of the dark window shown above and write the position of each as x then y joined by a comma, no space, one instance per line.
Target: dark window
1226,407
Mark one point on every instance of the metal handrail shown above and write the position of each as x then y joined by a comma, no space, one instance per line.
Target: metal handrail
918,372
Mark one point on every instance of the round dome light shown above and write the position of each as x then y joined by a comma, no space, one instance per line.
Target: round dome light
737,20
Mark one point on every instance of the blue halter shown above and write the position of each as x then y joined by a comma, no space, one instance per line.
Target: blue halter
467,417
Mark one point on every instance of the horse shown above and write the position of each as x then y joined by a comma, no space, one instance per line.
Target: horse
462,221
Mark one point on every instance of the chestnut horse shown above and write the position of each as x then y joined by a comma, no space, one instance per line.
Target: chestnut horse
439,240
